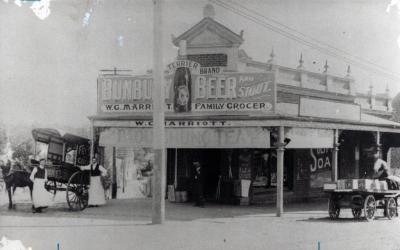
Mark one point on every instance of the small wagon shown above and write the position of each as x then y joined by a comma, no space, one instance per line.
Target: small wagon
360,201
64,154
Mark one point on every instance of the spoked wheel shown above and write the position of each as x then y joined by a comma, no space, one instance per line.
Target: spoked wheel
77,192
334,209
369,207
356,212
390,208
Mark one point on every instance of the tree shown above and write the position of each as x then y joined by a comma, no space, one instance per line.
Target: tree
3,139
22,151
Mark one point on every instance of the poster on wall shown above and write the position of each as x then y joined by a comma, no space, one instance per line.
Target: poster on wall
320,167
245,165
182,83
314,165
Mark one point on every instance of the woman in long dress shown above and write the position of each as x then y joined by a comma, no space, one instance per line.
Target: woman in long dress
40,197
96,190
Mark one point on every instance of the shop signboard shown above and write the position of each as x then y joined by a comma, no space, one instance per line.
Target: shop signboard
188,137
309,137
329,109
188,91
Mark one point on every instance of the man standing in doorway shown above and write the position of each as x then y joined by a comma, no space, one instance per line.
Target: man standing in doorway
198,185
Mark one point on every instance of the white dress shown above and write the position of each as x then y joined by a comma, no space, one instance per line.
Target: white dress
96,191
40,196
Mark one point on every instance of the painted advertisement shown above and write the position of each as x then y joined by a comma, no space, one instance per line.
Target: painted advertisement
188,91
314,165
320,167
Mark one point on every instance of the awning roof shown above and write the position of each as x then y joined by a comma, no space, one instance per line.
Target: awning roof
371,119
367,122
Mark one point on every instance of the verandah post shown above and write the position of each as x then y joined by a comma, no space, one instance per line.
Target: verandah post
335,155
279,170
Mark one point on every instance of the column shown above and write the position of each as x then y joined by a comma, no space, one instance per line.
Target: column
357,161
92,138
279,171
176,169
378,143
335,155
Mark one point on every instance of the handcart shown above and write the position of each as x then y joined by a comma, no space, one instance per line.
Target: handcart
365,200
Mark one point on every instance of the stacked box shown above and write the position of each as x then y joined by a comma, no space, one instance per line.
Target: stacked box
376,185
341,184
330,186
383,185
359,184
365,184
348,184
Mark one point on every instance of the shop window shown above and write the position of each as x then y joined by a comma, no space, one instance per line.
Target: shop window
134,168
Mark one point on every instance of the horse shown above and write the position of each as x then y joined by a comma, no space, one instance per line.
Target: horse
14,179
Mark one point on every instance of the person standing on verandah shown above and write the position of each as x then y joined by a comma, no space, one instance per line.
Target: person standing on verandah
96,190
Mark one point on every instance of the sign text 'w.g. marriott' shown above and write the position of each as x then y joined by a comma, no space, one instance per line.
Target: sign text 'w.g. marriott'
227,92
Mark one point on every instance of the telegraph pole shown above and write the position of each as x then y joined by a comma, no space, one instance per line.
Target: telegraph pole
158,214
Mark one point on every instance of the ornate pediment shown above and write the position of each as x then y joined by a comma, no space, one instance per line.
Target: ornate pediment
208,38
208,32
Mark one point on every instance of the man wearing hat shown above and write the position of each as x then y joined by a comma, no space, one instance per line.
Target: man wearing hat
198,184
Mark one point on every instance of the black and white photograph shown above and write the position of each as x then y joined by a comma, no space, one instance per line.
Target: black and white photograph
199,124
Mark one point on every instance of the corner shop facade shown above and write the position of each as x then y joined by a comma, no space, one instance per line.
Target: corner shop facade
251,124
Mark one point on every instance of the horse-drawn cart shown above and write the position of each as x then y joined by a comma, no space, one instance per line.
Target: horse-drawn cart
365,198
64,154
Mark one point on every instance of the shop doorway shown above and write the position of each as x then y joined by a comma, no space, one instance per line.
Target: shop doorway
211,159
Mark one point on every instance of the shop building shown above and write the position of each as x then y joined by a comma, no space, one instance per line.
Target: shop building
263,132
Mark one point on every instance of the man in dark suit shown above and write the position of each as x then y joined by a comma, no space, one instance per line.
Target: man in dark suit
198,185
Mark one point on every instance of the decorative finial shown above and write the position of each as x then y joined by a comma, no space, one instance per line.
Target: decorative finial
241,33
300,62
348,71
209,11
370,88
326,66
271,57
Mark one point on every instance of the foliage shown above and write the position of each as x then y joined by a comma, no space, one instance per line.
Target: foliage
3,139
22,151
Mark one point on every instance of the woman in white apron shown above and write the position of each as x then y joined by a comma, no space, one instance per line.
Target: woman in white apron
40,197
96,190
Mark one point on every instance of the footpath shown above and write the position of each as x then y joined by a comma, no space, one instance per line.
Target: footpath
126,224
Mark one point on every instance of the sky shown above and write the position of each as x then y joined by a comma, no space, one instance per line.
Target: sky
49,64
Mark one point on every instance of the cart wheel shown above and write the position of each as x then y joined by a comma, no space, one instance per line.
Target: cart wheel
334,209
77,192
390,208
356,212
369,207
